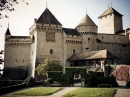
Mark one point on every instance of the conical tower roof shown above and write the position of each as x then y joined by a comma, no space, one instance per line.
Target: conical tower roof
110,10
48,18
86,20
8,32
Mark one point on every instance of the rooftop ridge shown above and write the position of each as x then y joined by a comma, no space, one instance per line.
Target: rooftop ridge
110,10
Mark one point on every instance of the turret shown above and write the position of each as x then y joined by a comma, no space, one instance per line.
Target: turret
7,34
88,29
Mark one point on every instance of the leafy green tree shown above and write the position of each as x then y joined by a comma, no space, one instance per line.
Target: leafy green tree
49,65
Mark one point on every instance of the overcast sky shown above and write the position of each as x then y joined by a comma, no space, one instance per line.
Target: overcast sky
68,12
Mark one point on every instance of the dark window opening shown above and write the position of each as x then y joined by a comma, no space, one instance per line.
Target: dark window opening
33,39
87,48
88,39
74,51
51,51
124,45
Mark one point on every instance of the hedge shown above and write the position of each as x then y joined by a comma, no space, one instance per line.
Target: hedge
92,79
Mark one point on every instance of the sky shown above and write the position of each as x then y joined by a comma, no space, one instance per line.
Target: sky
68,12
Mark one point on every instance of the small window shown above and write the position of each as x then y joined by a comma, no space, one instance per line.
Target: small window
51,51
87,48
73,51
16,60
88,39
33,39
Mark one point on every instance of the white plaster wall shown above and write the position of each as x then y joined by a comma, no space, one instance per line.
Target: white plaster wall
106,24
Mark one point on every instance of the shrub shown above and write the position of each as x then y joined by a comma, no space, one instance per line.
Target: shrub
108,80
128,83
94,78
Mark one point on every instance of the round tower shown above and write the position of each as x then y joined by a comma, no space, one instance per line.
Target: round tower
88,29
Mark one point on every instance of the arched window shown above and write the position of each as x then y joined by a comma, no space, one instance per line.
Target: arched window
51,51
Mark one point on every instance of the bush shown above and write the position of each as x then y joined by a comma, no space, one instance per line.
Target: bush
108,80
128,83
94,78
57,76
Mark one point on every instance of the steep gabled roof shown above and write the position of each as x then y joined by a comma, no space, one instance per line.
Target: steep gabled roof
110,10
71,31
8,32
48,18
86,20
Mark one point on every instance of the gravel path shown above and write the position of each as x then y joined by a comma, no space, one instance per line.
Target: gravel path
60,93
122,91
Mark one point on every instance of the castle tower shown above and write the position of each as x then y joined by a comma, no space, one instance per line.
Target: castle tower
16,56
110,22
88,29
47,39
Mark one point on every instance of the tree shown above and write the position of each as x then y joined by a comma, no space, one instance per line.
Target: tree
49,65
8,5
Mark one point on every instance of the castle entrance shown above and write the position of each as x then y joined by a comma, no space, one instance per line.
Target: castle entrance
77,79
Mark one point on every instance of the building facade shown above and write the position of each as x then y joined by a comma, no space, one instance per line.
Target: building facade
48,39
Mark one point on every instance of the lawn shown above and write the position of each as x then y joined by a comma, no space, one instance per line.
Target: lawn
37,91
91,92
79,92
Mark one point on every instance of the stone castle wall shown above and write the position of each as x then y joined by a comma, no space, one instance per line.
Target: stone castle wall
17,55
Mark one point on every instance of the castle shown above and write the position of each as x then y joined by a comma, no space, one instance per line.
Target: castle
86,43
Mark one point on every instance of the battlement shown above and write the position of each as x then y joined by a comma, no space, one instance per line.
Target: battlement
19,40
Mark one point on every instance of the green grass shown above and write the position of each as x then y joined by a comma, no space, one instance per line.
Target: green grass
91,92
37,91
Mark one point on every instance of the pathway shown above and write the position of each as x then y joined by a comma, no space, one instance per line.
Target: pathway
60,93
122,91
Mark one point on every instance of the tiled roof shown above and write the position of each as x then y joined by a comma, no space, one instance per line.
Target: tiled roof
7,32
102,54
71,31
86,20
48,18
110,10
